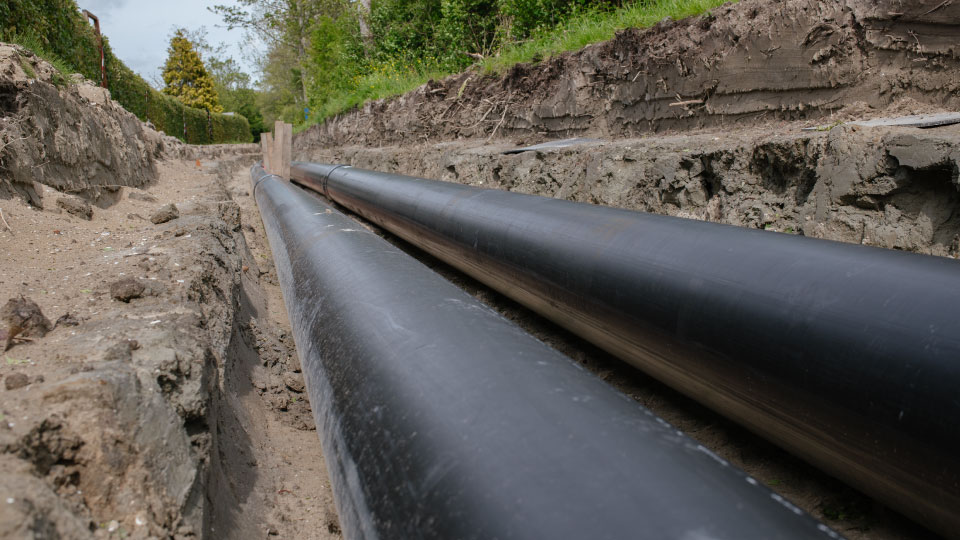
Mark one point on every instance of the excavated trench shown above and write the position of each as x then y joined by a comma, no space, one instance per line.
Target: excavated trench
196,425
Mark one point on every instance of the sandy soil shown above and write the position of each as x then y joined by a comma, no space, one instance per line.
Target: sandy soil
255,466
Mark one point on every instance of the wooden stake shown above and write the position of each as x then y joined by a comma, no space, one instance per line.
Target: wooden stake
277,148
286,151
266,140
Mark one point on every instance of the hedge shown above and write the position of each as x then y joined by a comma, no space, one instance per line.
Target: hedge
60,29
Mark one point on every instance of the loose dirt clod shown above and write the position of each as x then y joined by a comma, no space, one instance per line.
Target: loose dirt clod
23,318
127,289
294,381
14,381
165,213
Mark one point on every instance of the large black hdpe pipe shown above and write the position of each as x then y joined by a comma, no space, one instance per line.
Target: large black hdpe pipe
846,355
441,419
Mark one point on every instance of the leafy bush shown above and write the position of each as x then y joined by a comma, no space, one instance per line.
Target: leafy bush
413,41
527,16
404,29
57,28
469,26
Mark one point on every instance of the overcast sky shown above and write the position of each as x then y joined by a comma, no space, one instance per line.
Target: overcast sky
139,30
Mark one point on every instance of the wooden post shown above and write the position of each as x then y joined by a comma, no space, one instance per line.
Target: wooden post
286,151
277,148
266,141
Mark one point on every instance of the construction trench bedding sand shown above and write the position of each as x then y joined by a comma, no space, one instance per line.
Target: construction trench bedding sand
166,398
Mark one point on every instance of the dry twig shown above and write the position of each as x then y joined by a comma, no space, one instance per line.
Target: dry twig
687,103
942,5
506,105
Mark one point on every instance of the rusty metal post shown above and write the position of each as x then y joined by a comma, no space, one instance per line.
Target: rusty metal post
103,63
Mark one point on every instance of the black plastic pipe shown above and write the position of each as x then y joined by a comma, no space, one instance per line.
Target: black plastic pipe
441,419
846,355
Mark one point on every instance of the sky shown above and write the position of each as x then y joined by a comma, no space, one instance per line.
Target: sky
139,30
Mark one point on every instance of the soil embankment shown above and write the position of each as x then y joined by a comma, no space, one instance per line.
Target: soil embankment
890,187
149,386
746,64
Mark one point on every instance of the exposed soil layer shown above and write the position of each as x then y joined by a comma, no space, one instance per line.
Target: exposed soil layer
148,385
889,187
67,134
167,401
752,63
71,136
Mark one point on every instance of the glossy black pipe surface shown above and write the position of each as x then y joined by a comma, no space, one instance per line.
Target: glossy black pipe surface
848,356
441,419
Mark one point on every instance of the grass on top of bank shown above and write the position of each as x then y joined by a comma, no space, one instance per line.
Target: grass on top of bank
577,31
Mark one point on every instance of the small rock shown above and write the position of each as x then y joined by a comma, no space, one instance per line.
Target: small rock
141,196
15,380
127,289
294,381
77,207
23,318
165,213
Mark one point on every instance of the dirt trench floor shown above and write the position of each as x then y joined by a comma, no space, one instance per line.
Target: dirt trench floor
159,393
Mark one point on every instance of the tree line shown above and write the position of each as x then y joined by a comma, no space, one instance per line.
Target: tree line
324,56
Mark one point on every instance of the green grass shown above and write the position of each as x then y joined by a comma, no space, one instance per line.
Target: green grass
32,43
576,32
386,80
593,26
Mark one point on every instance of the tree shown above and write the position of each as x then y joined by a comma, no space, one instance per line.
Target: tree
186,78
285,27
233,86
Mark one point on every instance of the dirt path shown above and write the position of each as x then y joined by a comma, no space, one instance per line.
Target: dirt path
179,411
